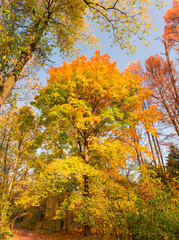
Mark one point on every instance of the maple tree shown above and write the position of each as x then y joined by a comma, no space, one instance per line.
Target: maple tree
32,29
92,158
85,102
92,108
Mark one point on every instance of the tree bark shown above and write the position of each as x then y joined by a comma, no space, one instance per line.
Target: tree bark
6,85
86,190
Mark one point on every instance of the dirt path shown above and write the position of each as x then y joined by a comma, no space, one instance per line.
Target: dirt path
23,234
29,235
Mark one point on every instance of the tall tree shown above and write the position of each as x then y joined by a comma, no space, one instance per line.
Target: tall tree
92,108
164,93
153,142
171,30
32,29
16,157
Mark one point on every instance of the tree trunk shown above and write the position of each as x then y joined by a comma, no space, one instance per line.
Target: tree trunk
151,147
86,190
157,152
6,85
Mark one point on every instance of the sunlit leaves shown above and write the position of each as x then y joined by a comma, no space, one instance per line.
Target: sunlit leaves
89,103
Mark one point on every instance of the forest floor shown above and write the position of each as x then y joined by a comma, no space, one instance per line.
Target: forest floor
23,234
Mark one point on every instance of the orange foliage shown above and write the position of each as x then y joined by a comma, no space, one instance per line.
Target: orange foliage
135,67
171,32
160,80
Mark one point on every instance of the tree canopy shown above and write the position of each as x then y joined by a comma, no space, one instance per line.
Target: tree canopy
171,31
32,29
89,156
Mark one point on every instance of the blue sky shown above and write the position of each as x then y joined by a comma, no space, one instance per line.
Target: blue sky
119,55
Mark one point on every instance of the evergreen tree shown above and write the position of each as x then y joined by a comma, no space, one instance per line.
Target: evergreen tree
173,161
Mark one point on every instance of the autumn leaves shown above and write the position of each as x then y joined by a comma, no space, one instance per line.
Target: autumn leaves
74,161
94,110
90,100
